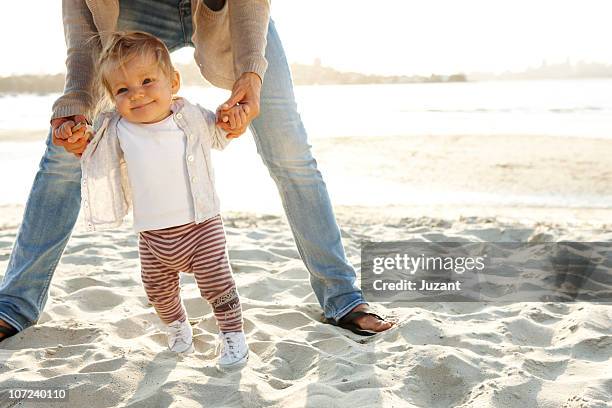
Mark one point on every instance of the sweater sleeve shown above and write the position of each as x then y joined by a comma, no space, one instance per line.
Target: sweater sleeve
218,137
248,20
82,47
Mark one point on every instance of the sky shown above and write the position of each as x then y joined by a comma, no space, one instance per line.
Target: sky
393,38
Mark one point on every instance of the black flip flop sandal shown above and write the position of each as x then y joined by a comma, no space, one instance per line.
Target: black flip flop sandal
6,332
348,322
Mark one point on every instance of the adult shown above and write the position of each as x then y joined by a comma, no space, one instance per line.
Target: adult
236,44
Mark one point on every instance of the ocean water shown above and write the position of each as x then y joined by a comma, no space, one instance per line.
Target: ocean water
581,108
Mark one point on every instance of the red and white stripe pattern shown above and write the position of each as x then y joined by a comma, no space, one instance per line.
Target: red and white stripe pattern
196,248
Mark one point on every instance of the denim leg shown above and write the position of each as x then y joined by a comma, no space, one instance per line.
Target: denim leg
283,146
50,215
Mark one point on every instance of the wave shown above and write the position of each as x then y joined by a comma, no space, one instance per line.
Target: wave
573,110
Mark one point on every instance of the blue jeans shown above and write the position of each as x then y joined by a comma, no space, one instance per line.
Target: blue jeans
54,202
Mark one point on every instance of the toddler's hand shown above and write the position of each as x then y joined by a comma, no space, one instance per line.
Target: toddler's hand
236,116
72,133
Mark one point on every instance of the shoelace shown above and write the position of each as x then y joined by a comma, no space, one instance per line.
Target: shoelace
179,333
229,343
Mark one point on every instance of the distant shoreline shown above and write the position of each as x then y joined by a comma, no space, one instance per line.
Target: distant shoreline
190,75
317,74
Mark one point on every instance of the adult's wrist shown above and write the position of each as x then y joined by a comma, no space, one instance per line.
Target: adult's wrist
251,74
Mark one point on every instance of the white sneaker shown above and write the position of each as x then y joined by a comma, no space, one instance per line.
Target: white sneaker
234,350
180,337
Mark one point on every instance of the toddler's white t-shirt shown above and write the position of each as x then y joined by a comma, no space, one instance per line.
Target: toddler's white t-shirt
157,171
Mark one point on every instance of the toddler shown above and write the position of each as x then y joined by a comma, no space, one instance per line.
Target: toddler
152,152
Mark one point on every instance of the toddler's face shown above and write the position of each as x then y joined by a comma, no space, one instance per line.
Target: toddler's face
142,92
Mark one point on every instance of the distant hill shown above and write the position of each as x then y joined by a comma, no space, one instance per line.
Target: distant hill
566,70
40,84
317,74
320,75
302,75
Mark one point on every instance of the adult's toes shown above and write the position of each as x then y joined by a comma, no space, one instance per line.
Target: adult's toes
372,323
383,325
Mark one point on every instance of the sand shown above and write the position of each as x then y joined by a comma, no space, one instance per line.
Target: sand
499,170
99,338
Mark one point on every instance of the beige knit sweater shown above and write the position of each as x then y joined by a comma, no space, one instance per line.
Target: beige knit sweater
228,43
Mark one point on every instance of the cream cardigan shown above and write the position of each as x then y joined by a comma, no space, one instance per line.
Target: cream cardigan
228,43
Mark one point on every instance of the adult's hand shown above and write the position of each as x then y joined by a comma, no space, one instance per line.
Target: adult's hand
246,92
63,136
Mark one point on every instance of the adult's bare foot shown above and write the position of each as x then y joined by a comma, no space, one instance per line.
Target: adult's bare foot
370,322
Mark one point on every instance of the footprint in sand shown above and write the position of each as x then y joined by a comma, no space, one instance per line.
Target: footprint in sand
74,284
545,369
95,299
524,332
290,361
593,349
442,381
112,364
51,336
284,320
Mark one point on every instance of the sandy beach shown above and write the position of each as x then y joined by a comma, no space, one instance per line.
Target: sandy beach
99,338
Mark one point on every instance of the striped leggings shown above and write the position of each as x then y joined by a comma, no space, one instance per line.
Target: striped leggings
195,248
